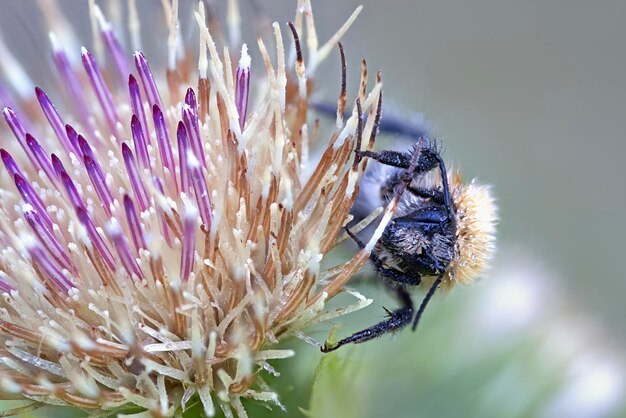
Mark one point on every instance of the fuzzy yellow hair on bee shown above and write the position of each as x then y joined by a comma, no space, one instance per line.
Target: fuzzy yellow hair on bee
476,218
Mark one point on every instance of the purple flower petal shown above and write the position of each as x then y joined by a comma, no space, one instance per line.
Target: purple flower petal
149,85
183,147
67,182
48,240
25,189
134,224
123,249
201,190
42,158
141,195
99,184
95,238
100,88
47,268
141,149
242,86
191,123
19,132
164,144
70,81
189,241
54,119
136,103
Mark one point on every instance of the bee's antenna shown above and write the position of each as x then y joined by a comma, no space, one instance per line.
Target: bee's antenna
427,298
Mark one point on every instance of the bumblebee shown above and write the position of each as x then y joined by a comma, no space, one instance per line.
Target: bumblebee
442,233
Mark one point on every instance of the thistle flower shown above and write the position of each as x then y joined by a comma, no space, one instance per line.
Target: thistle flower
163,233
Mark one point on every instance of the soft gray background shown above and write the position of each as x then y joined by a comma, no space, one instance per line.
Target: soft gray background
529,96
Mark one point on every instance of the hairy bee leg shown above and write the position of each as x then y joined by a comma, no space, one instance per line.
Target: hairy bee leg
392,274
436,196
429,159
425,161
392,158
397,320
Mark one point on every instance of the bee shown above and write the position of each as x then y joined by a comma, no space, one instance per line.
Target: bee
442,233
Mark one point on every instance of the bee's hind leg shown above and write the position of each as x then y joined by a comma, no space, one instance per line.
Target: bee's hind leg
426,161
397,320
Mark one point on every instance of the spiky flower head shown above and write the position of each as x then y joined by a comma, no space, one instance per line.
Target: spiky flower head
161,233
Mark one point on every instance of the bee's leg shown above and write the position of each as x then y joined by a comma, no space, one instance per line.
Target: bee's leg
425,161
393,158
435,195
397,320
394,275
424,147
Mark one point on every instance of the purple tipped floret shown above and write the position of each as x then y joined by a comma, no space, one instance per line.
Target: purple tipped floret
149,85
19,132
32,198
10,164
42,158
100,88
58,126
49,241
72,135
70,81
201,190
165,229
141,195
164,144
193,131
67,182
190,100
96,240
136,103
85,148
183,147
242,89
134,224
99,184
123,250
141,149
47,268
189,245
24,188
96,175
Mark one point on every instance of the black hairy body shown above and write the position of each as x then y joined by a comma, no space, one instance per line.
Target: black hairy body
442,231
419,241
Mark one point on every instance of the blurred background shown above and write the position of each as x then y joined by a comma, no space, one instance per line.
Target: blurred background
528,96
